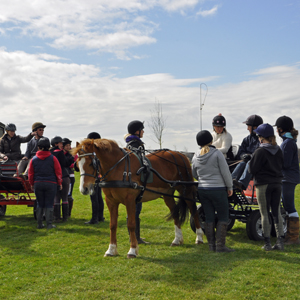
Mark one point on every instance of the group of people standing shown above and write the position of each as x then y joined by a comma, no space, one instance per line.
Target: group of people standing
274,170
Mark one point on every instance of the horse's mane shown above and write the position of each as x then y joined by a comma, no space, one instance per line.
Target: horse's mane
101,144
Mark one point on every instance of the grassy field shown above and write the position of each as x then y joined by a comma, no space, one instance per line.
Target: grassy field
68,263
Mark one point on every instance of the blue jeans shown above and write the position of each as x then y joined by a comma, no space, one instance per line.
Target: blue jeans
241,174
45,193
288,197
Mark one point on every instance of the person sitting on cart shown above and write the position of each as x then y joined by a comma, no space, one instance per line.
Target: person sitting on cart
133,139
10,144
241,177
222,139
266,167
210,168
32,148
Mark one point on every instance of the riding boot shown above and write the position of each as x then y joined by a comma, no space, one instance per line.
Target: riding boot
49,218
292,235
70,200
94,219
221,237
279,244
65,212
39,217
210,235
267,246
56,213
137,232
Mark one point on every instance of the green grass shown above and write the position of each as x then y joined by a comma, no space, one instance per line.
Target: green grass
68,263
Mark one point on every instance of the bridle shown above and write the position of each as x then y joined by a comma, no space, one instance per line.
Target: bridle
95,163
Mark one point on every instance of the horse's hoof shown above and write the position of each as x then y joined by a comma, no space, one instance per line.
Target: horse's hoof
108,255
131,256
174,245
199,242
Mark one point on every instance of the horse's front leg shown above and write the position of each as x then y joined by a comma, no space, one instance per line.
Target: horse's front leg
178,240
131,209
199,232
113,209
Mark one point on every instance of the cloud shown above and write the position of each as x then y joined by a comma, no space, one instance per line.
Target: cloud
73,99
206,13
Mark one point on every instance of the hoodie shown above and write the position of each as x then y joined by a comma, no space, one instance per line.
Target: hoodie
211,170
44,167
266,164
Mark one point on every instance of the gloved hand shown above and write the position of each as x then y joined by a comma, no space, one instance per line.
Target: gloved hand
246,157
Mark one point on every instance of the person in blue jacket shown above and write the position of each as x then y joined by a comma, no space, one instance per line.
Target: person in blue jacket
241,177
291,175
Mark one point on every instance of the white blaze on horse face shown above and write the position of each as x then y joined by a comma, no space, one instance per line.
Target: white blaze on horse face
80,166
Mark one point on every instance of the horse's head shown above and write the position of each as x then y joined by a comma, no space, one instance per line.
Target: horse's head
87,164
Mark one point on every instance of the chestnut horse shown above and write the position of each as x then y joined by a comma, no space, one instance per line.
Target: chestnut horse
118,170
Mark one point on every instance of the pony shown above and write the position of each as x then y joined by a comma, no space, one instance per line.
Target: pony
121,179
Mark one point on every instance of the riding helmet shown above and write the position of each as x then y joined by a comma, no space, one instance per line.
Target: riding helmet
93,135
285,123
264,130
66,141
56,140
254,120
219,120
37,125
10,127
203,138
43,143
135,126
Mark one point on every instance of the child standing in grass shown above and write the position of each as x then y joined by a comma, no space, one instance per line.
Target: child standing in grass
266,168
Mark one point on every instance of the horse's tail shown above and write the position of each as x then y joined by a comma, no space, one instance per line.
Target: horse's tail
179,212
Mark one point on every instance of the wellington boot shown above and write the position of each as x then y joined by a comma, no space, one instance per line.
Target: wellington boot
137,232
70,200
39,217
56,214
49,218
267,246
221,238
210,235
292,235
65,212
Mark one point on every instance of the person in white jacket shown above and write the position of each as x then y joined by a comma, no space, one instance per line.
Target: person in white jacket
222,139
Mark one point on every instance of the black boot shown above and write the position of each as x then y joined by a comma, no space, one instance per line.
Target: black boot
279,244
137,232
65,211
267,246
56,218
70,200
210,235
49,218
39,217
95,208
221,238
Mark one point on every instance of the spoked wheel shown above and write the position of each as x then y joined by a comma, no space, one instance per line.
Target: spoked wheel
2,207
200,211
254,226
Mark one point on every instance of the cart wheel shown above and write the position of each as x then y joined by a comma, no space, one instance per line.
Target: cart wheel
254,227
201,217
230,224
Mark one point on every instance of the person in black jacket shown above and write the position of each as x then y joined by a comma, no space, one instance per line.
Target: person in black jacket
134,143
266,168
57,151
241,177
96,198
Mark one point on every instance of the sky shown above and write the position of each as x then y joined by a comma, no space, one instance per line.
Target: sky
95,65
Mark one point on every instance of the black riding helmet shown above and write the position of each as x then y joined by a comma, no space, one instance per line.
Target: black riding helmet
219,120
135,126
56,140
203,138
254,120
93,135
66,141
10,127
285,123
44,143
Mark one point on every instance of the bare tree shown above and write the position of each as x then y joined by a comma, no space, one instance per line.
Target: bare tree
157,123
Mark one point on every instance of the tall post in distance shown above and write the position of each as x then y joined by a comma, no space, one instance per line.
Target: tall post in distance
202,101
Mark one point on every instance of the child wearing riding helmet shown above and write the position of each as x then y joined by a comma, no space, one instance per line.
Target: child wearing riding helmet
133,139
291,176
57,151
222,139
241,177
10,144
266,168
214,187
